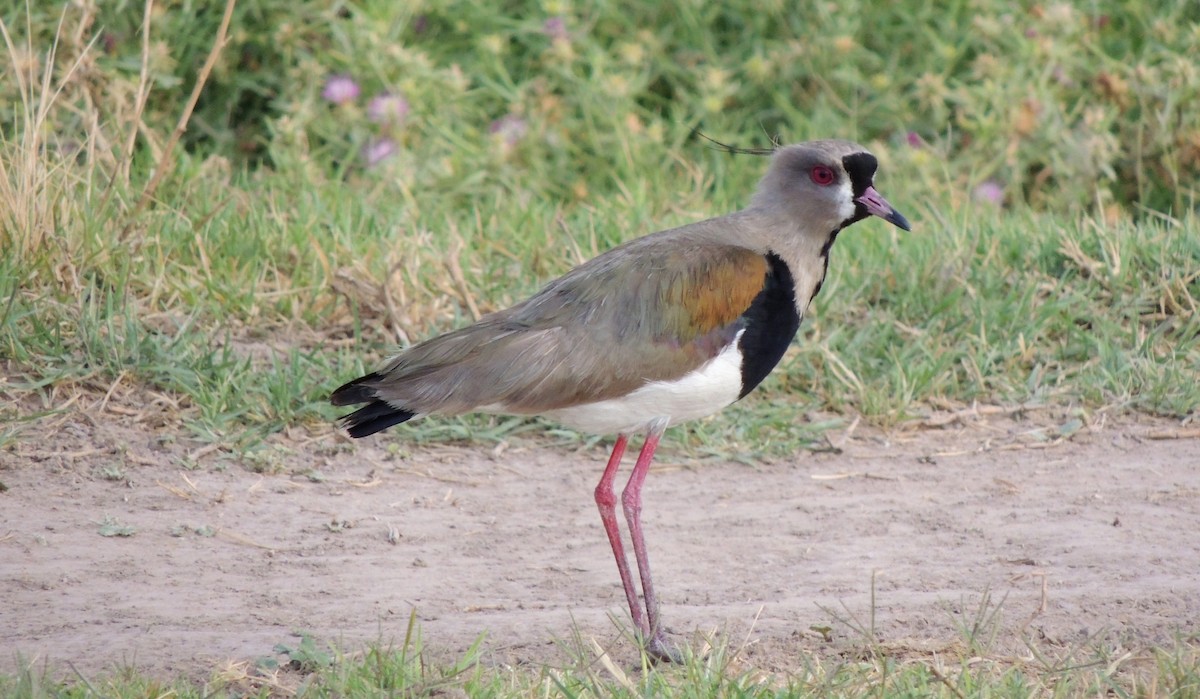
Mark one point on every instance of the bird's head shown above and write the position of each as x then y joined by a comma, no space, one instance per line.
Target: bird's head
825,186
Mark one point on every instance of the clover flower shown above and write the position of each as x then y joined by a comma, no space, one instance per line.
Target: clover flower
340,89
387,108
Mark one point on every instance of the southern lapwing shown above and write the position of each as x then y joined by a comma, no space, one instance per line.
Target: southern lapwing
666,328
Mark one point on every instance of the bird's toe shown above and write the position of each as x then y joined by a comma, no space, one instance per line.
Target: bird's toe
660,651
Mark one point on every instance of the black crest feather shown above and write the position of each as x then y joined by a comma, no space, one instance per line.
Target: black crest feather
736,150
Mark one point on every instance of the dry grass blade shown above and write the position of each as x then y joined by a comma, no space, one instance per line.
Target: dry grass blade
27,209
174,490
974,413
945,681
454,267
236,538
164,162
843,373
143,94
1184,433
613,669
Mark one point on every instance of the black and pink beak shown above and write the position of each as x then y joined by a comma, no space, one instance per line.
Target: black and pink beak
876,205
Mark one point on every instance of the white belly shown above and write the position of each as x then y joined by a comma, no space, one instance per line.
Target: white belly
703,392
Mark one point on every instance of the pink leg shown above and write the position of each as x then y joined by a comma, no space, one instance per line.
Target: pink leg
632,500
606,500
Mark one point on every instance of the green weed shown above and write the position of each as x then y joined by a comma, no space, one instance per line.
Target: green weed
712,667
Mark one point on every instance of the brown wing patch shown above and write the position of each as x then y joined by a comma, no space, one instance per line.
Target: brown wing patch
711,294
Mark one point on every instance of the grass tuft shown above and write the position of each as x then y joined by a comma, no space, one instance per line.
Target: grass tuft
712,667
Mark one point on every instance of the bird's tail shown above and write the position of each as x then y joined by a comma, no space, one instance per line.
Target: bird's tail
375,416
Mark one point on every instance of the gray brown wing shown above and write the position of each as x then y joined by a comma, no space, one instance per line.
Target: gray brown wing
599,332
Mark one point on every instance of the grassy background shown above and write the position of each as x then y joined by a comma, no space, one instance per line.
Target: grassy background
221,279
1048,155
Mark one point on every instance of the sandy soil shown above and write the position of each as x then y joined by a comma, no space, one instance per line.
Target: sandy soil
1095,536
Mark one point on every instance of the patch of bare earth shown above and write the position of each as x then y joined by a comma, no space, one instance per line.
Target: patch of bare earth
1094,536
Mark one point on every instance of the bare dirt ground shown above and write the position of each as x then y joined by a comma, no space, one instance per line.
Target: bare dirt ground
1091,538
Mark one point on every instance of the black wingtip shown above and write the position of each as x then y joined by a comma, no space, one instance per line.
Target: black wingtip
377,415
374,417
357,391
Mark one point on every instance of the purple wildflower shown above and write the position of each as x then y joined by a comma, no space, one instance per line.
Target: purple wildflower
378,150
510,128
340,89
990,191
387,108
555,28
914,139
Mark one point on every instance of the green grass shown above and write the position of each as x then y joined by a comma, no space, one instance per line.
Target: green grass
713,667
248,288
270,261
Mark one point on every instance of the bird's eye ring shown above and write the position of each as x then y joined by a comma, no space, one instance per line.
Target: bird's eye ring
822,175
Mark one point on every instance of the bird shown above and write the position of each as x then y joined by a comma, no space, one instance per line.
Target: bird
662,329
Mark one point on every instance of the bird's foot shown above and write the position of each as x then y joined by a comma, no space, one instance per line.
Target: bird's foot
660,651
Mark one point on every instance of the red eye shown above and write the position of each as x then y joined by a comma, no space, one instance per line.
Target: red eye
822,175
